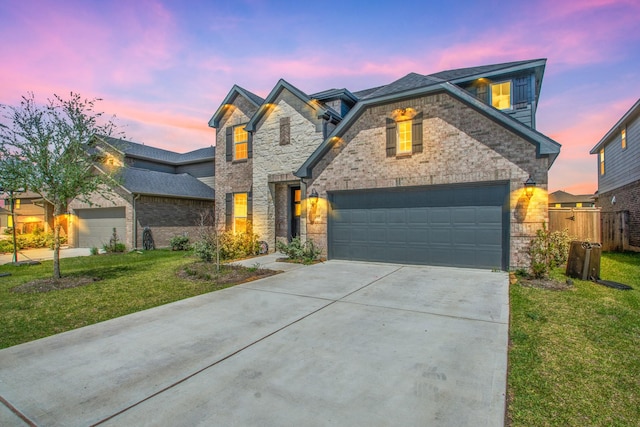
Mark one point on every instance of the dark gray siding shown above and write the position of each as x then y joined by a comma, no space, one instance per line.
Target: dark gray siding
621,166
198,170
145,164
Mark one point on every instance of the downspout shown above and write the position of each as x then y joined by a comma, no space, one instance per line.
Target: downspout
135,222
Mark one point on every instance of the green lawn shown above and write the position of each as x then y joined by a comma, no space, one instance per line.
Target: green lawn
574,357
128,283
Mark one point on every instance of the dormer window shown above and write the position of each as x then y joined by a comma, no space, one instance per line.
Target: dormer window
501,95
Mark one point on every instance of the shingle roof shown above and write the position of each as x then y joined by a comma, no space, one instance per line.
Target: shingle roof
133,149
564,197
143,181
461,73
408,82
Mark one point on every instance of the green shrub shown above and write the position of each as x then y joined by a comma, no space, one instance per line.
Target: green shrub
306,252
548,250
115,247
179,243
6,246
93,251
229,246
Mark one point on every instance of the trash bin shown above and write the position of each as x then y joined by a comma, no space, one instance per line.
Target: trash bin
584,260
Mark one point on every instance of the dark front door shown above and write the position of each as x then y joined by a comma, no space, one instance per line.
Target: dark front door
296,209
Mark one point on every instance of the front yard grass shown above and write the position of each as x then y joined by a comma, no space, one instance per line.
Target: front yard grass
117,284
574,357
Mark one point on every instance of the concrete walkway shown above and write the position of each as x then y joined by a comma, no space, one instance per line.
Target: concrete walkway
43,254
338,343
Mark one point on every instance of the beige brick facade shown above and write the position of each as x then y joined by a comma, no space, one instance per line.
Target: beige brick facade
460,146
231,176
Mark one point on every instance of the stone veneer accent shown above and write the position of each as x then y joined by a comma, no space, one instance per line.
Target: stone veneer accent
234,176
273,163
460,146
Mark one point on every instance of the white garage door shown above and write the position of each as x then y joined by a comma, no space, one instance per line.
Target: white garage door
95,226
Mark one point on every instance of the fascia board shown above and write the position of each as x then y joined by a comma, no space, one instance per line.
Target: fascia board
616,128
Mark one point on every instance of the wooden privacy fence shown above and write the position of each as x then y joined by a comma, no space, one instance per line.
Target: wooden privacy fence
615,231
583,224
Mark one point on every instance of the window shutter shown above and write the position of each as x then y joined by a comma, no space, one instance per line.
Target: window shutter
249,145
482,93
228,213
521,91
229,153
391,138
416,134
250,208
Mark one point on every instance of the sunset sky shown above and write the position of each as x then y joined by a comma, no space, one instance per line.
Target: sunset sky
163,67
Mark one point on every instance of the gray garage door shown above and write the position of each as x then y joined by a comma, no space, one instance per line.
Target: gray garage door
461,226
95,226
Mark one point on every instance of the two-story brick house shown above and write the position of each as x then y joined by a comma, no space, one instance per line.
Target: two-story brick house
160,189
429,169
618,163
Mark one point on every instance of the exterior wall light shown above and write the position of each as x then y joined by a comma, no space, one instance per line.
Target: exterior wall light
313,199
529,186
314,196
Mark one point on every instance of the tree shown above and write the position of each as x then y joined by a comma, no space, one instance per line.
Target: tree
49,148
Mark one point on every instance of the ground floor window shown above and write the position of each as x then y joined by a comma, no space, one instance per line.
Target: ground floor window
240,212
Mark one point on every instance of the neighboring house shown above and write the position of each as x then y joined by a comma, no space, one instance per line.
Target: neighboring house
562,199
160,189
31,212
429,169
619,174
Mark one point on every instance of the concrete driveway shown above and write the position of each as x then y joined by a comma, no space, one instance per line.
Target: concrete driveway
339,343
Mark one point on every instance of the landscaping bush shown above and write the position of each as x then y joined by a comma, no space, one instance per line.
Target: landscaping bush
306,252
230,246
179,243
549,249
6,246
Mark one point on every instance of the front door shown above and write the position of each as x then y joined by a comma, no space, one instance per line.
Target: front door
296,209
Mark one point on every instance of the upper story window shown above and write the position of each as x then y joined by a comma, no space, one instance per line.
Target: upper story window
623,137
602,161
240,141
404,132
501,95
404,137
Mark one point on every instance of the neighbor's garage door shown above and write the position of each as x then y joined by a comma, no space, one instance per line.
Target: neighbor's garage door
95,226
462,226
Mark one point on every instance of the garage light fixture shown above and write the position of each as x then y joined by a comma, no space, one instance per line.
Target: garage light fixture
529,186
313,199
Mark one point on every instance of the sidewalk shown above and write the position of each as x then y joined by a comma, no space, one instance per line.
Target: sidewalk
43,254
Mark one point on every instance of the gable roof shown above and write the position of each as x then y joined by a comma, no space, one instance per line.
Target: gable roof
152,183
471,73
236,90
141,151
635,109
321,111
564,197
411,86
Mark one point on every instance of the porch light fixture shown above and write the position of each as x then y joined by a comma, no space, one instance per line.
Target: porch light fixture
529,186
313,197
